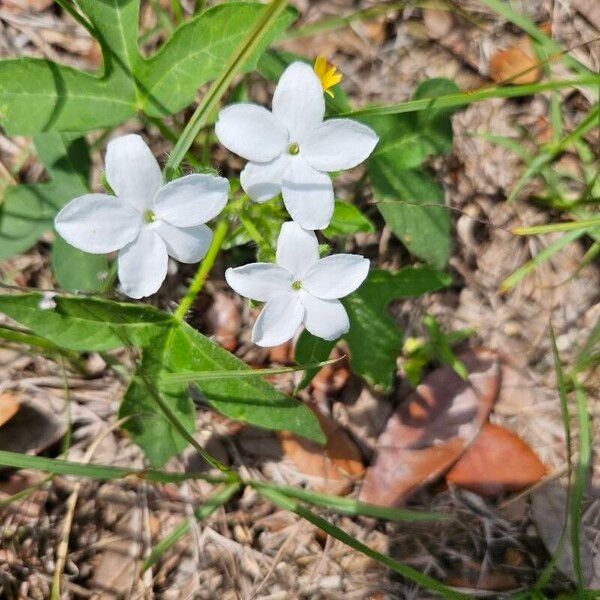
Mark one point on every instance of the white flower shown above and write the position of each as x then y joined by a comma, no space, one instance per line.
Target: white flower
147,221
292,149
299,288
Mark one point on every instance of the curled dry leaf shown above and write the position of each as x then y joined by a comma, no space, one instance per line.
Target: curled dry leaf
497,462
432,429
333,468
8,407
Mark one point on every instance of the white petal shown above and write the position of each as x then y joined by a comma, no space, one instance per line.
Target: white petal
307,195
339,144
191,200
259,281
298,101
98,223
326,319
279,320
251,131
297,249
143,264
336,276
132,171
186,244
262,181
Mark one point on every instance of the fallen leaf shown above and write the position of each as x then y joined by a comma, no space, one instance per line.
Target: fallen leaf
517,64
33,429
432,429
491,580
333,468
8,407
497,462
548,512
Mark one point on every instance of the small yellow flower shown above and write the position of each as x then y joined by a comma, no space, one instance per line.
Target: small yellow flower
328,74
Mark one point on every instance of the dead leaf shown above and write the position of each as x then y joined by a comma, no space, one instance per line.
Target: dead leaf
548,512
8,407
491,580
333,468
497,462
432,429
518,62
33,429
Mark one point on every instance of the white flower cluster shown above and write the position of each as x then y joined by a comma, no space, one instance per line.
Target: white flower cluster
290,151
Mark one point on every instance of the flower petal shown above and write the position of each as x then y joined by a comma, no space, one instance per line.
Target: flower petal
192,199
307,195
326,319
251,131
143,264
132,171
298,101
279,320
336,276
98,223
262,181
339,144
186,244
259,281
297,249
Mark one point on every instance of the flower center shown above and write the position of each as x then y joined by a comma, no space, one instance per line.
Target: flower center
297,285
149,216
293,148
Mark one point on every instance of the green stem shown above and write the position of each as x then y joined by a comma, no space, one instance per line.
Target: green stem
203,271
211,99
177,11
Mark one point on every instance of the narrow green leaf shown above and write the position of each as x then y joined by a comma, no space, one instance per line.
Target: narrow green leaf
84,324
411,574
202,512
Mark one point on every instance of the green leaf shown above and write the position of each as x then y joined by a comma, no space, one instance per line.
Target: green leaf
374,340
248,399
347,220
311,349
86,324
77,271
412,204
40,95
27,211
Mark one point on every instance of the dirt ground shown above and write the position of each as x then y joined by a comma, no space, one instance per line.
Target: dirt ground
250,549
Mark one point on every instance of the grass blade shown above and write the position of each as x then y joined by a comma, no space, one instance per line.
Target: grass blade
349,506
552,227
231,68
423,580
203,511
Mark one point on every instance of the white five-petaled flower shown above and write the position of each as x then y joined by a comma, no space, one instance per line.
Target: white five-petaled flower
291,149
299,288
147,221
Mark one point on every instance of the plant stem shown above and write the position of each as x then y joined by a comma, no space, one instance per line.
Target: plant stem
203,271
232,67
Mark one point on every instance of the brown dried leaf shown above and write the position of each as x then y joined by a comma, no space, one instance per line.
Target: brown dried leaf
438,23
430,431
331,469
17,6
497,462
516,61
8,407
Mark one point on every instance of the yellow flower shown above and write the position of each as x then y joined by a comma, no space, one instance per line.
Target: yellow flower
328,74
